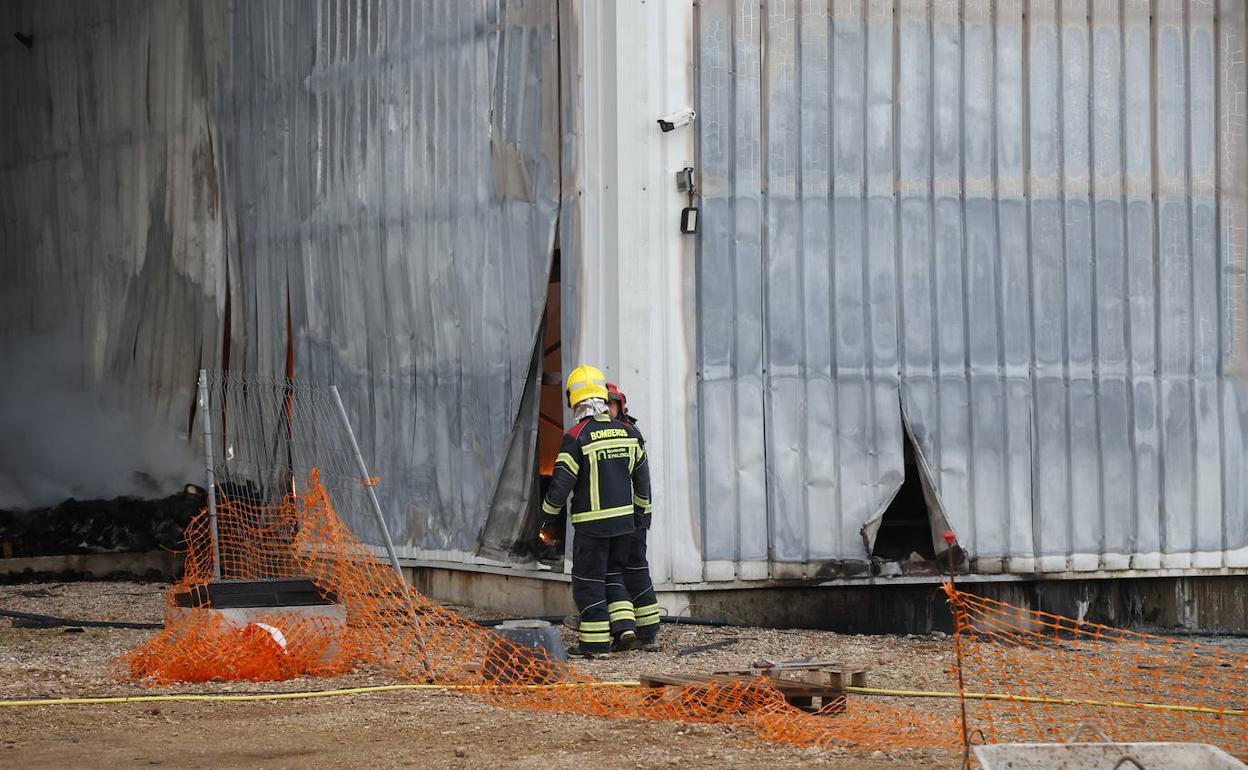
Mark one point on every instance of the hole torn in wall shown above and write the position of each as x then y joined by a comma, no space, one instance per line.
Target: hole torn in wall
906,536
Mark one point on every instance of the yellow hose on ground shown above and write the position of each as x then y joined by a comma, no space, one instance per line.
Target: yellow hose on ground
237,697
1055,701
243,697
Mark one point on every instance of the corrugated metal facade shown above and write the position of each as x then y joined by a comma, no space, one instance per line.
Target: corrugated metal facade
1019,224
1017,228
375,181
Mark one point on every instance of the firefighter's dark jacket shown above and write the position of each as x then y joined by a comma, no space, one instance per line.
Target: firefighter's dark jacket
602,463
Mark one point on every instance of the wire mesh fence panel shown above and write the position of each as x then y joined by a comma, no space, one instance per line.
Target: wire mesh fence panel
269,434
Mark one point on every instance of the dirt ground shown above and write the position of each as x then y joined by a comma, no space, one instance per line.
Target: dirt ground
399,729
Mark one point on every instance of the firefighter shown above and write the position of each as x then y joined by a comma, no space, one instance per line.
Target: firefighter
636,567
602,464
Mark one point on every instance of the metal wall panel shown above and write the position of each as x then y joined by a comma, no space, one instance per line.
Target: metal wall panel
1018,224
374,180
404,162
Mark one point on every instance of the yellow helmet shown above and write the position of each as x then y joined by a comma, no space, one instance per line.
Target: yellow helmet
586,382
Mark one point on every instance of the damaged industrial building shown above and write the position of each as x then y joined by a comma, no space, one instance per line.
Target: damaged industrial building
869,272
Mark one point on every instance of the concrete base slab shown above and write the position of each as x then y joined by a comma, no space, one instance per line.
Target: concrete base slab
512,594
1196,603
1214,603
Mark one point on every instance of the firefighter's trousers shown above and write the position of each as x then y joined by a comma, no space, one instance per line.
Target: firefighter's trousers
640,588
598,589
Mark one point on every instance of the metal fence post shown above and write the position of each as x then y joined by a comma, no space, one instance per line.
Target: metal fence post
366,480
206,412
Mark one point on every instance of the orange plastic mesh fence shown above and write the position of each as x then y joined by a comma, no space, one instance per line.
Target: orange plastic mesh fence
1054,673
395,628
1060,673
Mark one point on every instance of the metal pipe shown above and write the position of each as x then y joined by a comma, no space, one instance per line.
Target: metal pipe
365,479
212,476
959,615
413,615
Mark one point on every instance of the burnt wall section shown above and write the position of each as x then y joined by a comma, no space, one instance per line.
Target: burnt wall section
110,242
377,182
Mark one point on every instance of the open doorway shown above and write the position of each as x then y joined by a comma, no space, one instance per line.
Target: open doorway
550,410
550,414
509,533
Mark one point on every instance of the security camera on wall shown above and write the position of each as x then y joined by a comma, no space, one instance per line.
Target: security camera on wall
676,120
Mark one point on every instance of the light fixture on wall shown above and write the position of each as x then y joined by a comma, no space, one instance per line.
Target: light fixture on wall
689,220
689,215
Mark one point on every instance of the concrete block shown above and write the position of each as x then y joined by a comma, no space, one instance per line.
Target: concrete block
1104,756
329,615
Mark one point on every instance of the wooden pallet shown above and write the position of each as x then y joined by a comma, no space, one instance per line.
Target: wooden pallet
831,674
819,690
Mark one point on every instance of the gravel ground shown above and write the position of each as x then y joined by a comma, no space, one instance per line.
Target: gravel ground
412,728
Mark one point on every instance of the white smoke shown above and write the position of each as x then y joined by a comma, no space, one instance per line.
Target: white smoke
61,438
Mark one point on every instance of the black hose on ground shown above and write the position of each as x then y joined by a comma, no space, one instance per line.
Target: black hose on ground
31,620
554,620
679,621
557,620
